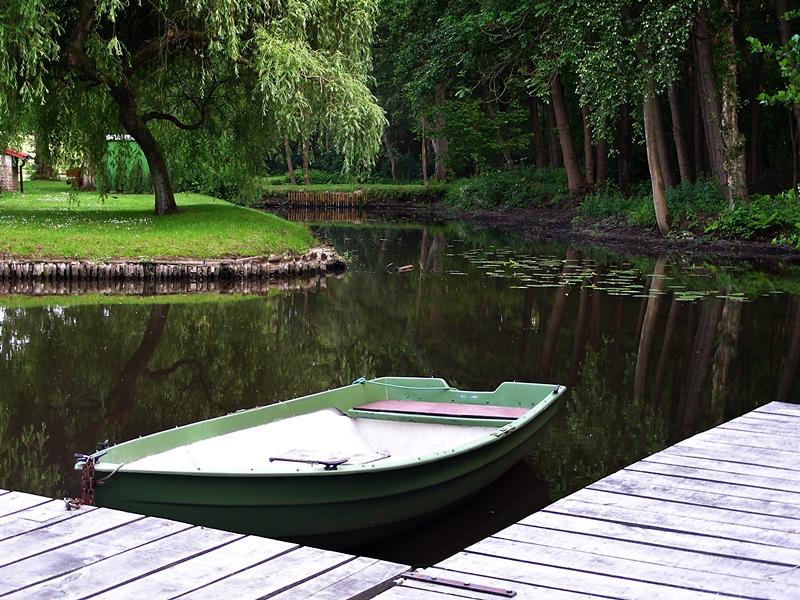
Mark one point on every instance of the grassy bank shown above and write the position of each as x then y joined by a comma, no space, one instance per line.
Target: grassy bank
49,221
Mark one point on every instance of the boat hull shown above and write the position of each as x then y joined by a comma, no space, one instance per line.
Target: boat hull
340,509
369,506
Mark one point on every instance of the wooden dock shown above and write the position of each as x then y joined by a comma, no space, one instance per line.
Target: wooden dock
715,516
47,551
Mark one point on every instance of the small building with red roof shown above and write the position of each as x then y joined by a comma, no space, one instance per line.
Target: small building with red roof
11,162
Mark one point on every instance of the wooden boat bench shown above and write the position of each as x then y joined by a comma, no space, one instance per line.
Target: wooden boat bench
444,409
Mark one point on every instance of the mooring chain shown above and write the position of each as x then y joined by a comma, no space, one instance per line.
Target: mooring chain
87,487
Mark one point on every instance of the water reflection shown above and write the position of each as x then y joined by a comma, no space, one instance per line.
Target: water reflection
652,350
517,494
78,287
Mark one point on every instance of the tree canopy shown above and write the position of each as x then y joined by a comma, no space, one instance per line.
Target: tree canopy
199,79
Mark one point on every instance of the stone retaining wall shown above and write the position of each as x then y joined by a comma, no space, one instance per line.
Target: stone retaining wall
315,261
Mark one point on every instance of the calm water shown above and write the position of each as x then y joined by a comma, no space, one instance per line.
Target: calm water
652,351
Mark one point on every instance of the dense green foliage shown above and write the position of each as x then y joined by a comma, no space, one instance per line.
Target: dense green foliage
700,210
521,188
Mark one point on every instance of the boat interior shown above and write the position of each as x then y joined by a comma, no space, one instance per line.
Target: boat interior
326,437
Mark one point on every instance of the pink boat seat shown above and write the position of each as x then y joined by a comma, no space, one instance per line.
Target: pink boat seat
444,409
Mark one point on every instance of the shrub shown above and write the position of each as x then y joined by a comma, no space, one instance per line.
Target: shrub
685,202
524,187
763,217
315,177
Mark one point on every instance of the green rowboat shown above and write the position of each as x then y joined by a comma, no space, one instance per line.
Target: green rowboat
336,469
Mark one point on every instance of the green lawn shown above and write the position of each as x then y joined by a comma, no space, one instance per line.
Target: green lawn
48,221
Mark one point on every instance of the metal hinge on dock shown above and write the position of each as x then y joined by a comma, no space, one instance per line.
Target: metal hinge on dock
460,584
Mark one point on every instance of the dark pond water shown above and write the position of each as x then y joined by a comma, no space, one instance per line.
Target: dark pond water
652,350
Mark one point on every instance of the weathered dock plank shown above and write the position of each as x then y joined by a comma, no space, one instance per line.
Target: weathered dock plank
766,424
717,515
65,532
11,502
784,478
274,576
702,473
780,408
39,515
772,459
47,551
359,578
647,513
184,577
703,493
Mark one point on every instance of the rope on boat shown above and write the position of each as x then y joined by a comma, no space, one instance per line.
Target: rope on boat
402,387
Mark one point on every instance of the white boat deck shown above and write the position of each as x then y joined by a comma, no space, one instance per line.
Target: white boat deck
325,436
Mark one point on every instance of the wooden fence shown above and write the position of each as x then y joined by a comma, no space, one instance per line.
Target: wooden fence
306,198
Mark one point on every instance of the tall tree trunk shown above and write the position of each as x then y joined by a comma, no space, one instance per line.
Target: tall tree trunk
439,141
388,147
624,146
306,163
663,147
785,31
424,152
754,156
500,139
44,165
649,327
87,178
288,151
735,163
690,104
700,153
536,132
574,175
720,124
684,166
553,146
588,149
137,128
134,124
601,160
653,162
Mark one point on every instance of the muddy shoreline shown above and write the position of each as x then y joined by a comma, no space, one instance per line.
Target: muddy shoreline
557,225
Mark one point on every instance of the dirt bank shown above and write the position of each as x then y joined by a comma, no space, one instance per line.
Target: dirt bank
557,225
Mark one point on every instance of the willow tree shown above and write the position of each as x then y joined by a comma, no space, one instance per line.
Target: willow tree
162,67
